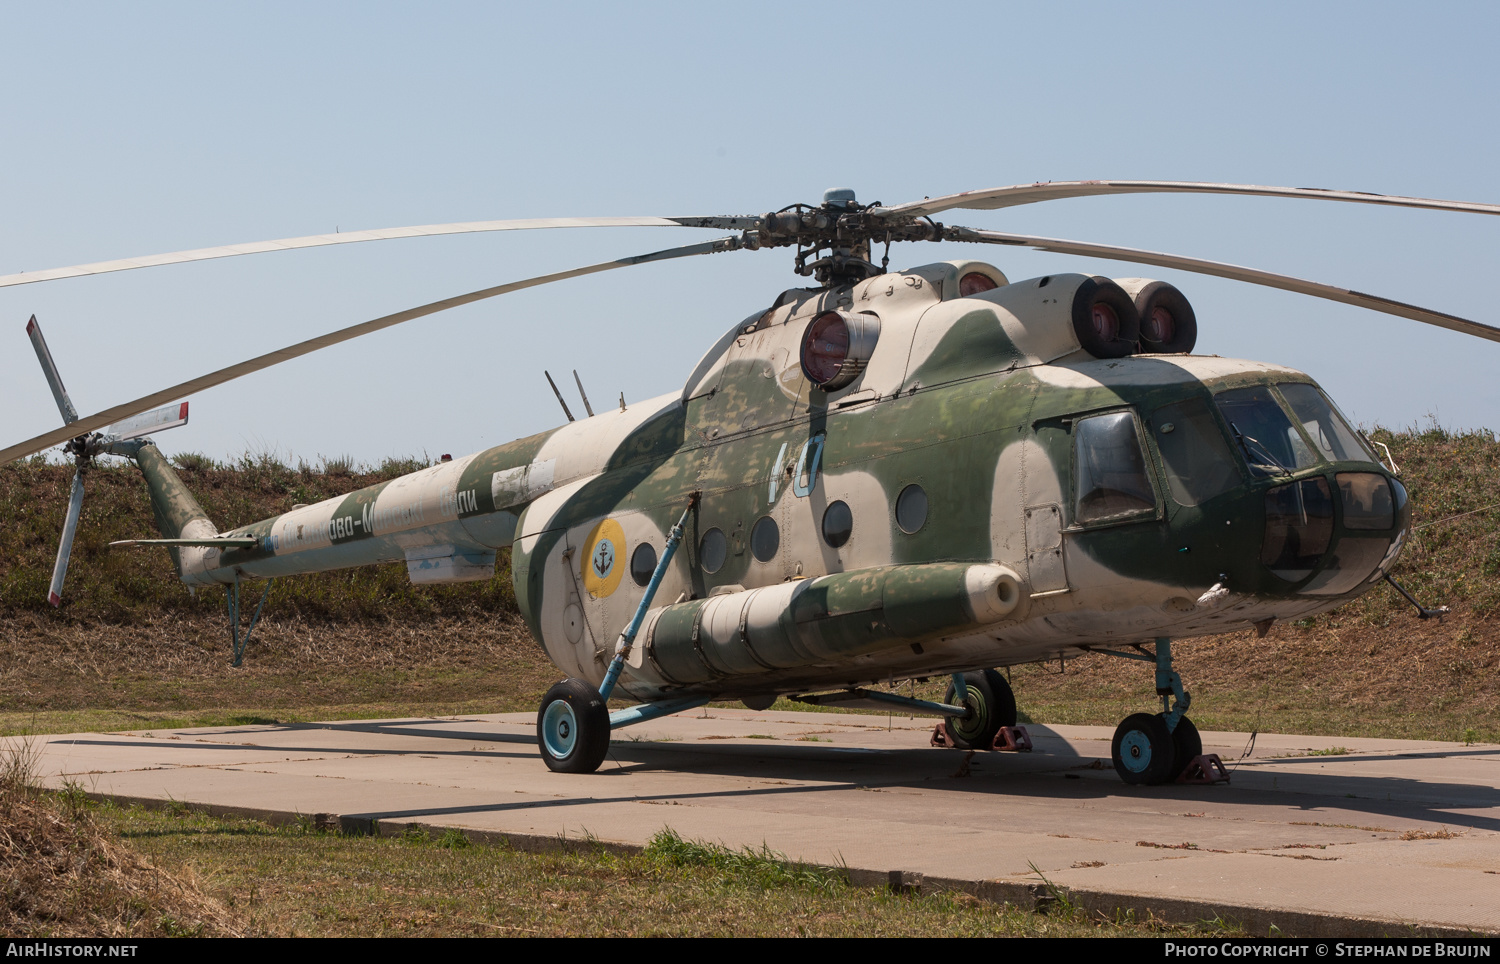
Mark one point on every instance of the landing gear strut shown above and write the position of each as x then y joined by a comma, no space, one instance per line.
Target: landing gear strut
1156,749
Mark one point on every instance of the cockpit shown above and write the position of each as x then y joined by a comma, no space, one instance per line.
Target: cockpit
1332,518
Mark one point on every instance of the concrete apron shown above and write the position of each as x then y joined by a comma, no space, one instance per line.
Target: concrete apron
1393,838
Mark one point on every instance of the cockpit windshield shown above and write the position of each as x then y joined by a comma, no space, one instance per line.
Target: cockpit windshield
1265,436
1329,432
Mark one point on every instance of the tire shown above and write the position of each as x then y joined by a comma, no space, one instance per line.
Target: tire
994,706
1142,750
1186,744
572,727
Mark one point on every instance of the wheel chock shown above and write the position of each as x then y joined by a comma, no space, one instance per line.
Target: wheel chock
1205,768
1014,739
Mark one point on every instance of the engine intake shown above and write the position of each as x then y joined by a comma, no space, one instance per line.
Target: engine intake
1105,319
1168,324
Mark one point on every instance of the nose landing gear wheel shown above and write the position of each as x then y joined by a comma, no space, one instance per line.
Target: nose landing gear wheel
572,727
1143,751
994,706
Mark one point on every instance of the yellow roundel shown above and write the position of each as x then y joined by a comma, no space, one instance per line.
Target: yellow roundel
603,559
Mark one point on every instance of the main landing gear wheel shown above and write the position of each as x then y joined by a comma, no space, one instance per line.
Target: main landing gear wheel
994,706
1186,744
1143,750
572,727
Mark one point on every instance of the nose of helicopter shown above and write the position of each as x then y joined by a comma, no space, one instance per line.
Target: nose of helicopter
1270,487
1332,533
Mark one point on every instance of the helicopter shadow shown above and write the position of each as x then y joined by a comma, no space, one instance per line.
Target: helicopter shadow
1046,775
1054,772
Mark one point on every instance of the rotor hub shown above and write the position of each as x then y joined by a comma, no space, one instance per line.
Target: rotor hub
834,238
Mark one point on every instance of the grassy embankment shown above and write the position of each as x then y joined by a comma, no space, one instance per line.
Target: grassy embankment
131,648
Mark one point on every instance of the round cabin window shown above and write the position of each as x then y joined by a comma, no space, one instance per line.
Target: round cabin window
911,508
713,549
643,563
838,524
765,539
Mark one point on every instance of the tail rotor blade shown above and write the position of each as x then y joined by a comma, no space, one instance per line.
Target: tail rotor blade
157,420
49,368
65,548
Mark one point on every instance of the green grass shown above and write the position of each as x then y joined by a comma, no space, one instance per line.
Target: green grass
296,880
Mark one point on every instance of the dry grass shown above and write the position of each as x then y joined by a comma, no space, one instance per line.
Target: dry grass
131,648
58,676
62,874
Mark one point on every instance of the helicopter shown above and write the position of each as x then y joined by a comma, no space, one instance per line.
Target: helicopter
884,475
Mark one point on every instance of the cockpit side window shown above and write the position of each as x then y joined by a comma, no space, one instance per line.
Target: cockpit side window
1110,470
1199,462
1330,433
1265,436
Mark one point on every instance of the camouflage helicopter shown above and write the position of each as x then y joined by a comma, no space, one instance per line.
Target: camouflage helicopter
882,476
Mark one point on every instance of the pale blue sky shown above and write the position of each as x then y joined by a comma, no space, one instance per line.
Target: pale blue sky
154,127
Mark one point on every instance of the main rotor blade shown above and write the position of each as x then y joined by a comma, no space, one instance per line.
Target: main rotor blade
93,422
1219,269
382,234
1004,197
65,547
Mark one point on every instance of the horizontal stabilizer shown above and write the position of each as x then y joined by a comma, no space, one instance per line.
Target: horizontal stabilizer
223,542
157,420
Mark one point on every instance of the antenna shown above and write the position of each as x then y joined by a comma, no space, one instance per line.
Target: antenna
558,394
586,406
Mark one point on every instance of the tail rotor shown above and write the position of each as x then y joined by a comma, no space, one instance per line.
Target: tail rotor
123,438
